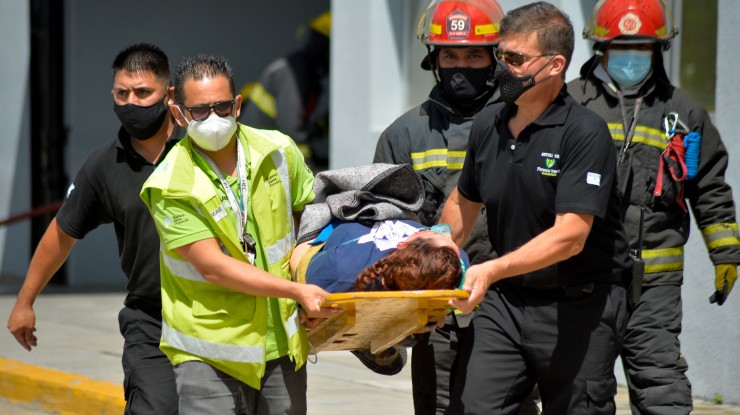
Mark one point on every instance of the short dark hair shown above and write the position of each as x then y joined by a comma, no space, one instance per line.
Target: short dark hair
143,57
553,27
199,67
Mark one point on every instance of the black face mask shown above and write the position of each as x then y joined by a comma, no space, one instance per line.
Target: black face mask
512,86
465,86
141,122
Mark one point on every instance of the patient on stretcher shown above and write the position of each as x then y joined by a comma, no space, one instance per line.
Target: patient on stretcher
391,255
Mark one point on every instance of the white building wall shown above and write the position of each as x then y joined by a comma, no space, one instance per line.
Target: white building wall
711,334
15,196
369,83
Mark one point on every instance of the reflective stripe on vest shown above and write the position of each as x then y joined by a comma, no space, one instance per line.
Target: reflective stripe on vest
293,324
663,260
181,269
283,247
644,135
720,234
210,350
279,249
263,100
281,163
438,157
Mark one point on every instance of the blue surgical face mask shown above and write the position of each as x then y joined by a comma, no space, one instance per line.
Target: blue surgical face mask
629,67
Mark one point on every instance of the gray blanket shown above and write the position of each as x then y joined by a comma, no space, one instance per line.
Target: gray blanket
366,193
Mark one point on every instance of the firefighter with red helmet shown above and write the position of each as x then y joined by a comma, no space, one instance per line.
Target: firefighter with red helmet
433,138
670,159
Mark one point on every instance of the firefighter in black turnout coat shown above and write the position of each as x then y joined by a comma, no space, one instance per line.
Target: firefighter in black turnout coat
670,159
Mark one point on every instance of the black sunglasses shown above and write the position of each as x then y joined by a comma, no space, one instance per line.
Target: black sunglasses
201,112
514,58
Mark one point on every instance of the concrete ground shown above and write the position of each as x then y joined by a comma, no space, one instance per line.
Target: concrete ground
77,365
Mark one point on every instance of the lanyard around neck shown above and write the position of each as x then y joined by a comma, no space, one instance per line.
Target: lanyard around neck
238,204
629,127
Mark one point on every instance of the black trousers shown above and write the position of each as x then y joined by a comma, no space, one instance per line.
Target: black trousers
567,347
431,364
149,379
652,359
433,361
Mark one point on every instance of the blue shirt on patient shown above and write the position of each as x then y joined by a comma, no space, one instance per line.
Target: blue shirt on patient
351,247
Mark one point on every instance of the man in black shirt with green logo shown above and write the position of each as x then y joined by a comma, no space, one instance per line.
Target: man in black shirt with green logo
553,305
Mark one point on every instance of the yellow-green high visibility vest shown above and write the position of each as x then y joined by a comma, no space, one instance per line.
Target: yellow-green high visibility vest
204,321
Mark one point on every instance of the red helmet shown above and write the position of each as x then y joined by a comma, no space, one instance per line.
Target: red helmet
460,23
630,21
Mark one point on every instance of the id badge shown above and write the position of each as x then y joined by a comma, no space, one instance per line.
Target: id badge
250,247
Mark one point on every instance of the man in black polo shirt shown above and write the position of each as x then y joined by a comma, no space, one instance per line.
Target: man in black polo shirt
554,311
106,190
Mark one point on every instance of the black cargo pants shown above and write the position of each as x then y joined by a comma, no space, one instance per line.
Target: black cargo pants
566,346
149,379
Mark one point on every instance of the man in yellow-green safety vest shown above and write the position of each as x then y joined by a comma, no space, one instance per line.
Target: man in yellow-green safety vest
223,202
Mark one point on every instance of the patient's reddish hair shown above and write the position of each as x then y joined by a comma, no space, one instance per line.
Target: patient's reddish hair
420,265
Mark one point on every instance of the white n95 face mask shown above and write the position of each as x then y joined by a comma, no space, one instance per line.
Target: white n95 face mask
213,133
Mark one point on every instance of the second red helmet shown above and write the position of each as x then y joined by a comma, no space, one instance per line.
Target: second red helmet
630,21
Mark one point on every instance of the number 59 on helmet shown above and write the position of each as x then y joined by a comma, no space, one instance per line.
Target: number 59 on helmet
460,23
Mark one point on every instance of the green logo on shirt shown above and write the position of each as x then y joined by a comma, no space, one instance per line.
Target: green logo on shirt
550,159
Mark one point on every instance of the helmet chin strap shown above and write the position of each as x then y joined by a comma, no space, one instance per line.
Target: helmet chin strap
431,59
596,60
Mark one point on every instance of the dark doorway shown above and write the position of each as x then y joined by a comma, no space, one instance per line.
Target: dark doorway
48,135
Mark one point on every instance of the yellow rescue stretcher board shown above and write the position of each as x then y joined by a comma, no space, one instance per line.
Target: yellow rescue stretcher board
378,320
